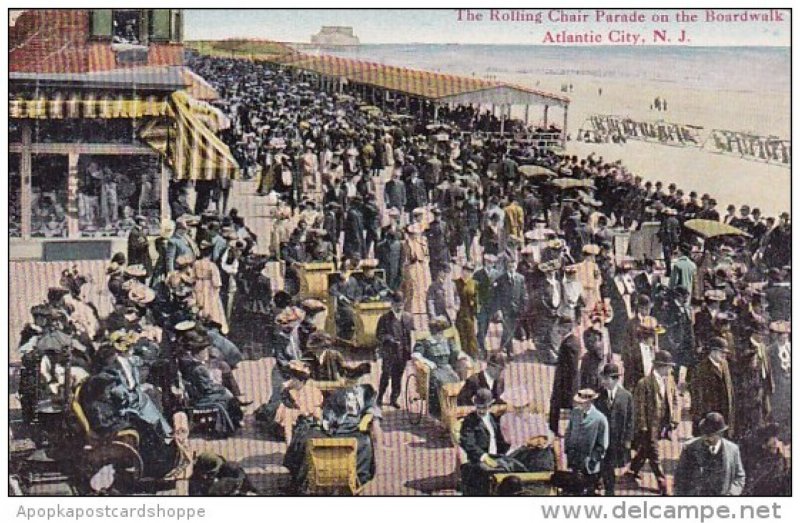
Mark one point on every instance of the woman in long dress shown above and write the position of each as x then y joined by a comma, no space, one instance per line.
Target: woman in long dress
207,287
416,274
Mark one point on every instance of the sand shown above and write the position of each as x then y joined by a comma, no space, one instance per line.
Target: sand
729,179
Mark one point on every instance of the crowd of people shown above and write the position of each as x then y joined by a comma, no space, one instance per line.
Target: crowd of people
615,129
751,146
462,245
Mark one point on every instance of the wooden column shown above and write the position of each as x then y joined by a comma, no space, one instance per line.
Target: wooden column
502,120
165,210
546,109
73,226
564,131
527,111
26,190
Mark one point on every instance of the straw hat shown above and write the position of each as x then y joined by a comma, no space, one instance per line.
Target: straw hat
781,327
136,271
167,228
369,263
141,295
585,396
591,248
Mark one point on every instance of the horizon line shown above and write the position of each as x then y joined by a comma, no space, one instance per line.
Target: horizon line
287,42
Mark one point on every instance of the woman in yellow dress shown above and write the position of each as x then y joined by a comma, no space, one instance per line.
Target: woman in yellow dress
207,285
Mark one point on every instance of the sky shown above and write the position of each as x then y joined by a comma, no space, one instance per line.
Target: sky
443,26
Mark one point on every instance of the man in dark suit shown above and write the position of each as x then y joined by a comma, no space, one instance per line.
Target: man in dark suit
484,278
616,404
778,295
181,243
394,192
669,234
657,416
482,442
510,295
353,246
139,247
394,337
491,378
566,382
710,465
711,385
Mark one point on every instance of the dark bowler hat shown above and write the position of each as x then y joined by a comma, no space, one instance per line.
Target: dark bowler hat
497,359
713,423
610,370
483,398
663,358
718,343
208,463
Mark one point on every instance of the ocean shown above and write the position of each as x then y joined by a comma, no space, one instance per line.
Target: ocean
743,69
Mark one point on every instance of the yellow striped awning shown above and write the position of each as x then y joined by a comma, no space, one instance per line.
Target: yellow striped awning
86,105
193,151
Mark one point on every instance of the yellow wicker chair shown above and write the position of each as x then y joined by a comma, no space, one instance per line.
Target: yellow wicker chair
331,464
314,279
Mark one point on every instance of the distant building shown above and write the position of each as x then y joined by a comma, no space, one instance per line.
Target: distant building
335,36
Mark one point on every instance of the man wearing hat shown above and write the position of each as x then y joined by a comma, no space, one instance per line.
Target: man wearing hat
657,415
484,278
778,295
617,405
780,362
566,381
438,244
373,287
353,245
586,440
711,384
491,378
393,333
752,377
705,319
683,272
511,296
482,441
669,234
710,465
181,243
139,246
389,253
637,358
767,464
394,192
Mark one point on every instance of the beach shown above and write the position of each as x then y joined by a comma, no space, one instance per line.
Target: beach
738,89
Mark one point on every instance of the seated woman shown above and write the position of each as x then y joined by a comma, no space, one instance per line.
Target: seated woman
441,356
113,400
345,414
204,391
530,440
300,399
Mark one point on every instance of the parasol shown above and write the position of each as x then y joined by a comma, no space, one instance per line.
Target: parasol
713,228
534,171
571,183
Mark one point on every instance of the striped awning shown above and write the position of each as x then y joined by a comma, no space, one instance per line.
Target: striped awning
86,105
193,151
